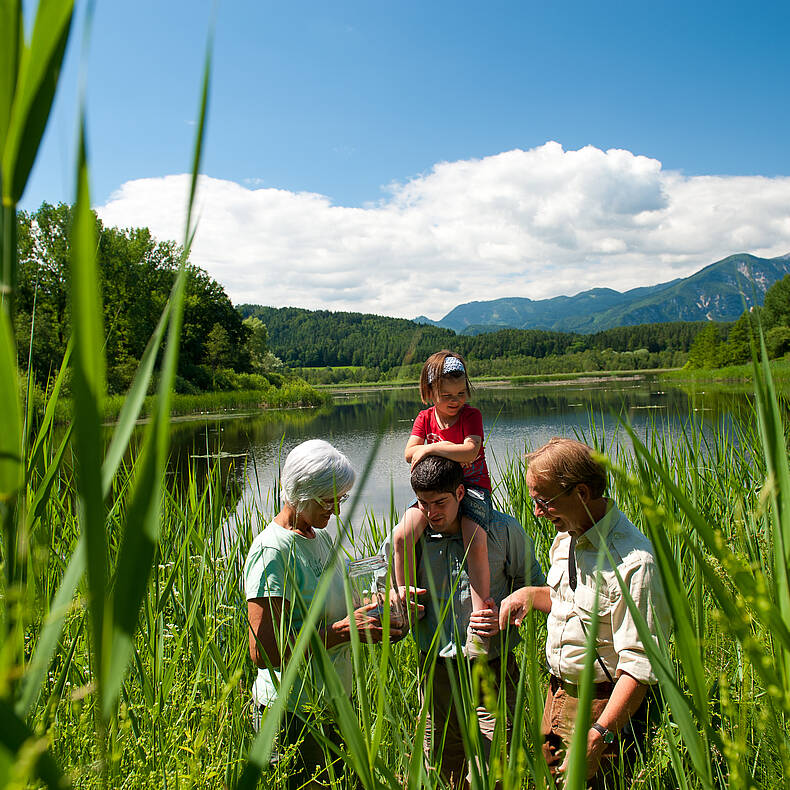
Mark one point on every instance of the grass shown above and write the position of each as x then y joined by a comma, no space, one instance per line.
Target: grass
734,375
123,643
183,712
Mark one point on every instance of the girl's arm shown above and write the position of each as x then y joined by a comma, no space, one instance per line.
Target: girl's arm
464,453
413,443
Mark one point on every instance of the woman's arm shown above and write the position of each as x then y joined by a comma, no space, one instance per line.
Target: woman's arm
265,615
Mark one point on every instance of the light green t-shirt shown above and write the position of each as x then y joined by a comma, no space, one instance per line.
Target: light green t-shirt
281,562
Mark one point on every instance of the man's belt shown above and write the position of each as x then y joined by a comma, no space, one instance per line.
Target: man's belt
603,689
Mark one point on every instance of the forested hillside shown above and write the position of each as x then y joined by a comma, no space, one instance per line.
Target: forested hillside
722,345
137,273
378,347
316,338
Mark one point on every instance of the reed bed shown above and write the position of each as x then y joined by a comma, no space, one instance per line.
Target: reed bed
183,714
123,637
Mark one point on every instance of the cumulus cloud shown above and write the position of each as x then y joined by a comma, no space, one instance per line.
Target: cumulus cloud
535,223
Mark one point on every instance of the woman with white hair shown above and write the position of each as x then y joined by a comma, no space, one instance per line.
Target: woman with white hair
283,569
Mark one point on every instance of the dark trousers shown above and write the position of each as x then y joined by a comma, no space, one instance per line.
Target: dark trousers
444,741
305,766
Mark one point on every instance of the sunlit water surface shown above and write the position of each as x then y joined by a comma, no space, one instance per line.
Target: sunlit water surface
372,428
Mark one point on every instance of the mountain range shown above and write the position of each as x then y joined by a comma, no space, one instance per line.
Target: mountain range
715,293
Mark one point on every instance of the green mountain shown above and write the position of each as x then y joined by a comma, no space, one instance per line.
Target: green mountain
715,293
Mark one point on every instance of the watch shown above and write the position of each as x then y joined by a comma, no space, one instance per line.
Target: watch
607,735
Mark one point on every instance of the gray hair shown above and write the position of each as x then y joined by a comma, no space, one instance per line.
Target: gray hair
315,470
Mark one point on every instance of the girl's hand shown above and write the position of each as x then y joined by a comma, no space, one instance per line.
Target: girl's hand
418,453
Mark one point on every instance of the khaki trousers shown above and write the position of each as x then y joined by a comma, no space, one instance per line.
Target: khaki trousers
559,719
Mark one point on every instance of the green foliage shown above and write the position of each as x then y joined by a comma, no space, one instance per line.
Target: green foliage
136,274
777,341
736,349
370,347
776,309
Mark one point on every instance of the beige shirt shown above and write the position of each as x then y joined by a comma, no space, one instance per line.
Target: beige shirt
619,645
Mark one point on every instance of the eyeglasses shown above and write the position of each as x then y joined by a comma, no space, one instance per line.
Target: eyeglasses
544,504
336,501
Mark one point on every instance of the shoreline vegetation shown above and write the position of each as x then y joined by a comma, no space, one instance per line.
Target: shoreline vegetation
125,649
722,724
298,394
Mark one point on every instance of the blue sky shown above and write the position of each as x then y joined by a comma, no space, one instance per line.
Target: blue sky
359,102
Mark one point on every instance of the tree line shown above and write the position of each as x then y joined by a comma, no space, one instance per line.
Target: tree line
720,345
375,347
137,273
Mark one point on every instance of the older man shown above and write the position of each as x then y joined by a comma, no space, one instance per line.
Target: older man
567,486
441,569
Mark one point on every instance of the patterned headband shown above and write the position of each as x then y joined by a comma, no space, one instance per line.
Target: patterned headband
451,365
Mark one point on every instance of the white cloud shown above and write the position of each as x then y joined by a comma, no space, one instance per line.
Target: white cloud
534,223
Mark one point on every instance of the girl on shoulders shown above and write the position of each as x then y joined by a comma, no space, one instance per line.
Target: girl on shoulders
453,429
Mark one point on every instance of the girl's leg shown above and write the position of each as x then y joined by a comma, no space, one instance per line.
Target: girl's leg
404,539
476,546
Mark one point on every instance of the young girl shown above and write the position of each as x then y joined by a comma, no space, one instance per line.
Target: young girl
454,430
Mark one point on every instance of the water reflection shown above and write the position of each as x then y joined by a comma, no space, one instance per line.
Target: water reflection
514,419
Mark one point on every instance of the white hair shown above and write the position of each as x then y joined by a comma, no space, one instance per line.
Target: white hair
315,470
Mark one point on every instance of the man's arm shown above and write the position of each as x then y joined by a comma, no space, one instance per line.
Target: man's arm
627,696
518,604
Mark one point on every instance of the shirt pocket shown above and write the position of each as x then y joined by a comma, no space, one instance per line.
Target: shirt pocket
554,576
584,601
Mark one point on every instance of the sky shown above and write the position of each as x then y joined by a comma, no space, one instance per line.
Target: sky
404,158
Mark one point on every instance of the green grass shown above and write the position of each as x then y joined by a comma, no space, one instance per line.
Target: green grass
734,374
123,641
183,716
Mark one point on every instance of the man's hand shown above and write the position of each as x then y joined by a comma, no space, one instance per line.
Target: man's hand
485,622
515,607
409,599
595,748
520,603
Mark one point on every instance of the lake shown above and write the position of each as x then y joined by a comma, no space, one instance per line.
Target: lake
515,419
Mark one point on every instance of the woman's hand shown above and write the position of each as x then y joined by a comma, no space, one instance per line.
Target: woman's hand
368,626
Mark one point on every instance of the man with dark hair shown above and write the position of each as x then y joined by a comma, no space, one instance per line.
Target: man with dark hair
567,484
441,570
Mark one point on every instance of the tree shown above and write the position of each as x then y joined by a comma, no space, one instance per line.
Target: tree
137,273
776,308
704,351
217,349
777,341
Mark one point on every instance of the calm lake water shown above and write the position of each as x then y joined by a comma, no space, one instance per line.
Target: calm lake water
515,419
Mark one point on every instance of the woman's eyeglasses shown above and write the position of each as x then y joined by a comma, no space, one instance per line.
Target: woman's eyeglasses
338,500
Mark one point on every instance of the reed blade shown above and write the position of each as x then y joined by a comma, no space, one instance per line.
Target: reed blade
37,79
89,388
142,526
11,44
10,419
15,736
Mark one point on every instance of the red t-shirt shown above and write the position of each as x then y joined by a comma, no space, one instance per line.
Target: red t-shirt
469,423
